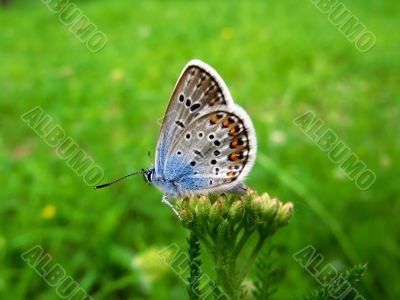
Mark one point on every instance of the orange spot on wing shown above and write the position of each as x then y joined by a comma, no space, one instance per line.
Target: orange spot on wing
212,101
228,122
234,130
234,156
215,119
236,143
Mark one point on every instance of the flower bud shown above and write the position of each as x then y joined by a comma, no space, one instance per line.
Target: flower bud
185,216
182,202
256,204
253,212
203,206
193,203
250,192
236,211
284,214
215,214
265,197
224,203
202,211
269,209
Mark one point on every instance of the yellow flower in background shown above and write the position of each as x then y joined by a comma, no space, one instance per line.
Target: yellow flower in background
66,71
385,160
227,33
117,74
48,212
143,31
248,287
150,264
277,137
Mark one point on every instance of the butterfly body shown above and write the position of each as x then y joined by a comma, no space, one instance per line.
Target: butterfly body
207,143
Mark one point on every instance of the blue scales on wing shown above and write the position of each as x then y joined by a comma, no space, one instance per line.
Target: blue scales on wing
211,154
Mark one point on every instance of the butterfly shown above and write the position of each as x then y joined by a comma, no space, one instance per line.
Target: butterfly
207,143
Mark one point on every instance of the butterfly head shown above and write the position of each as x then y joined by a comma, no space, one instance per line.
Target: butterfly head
148,175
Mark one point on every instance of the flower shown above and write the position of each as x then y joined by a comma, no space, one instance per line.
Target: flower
227,33
285,213
225,222
117,74
66,71
261,212
236,211
277,137
143,31
385,160
151,265
48,212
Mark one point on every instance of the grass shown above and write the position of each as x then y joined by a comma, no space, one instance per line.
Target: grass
279,60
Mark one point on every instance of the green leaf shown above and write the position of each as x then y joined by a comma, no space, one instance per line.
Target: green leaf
342,287
267,275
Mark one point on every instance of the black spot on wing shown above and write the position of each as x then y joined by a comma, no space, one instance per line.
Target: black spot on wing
197,152
180,124
195,106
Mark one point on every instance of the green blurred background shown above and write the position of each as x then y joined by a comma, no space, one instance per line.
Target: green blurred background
279,59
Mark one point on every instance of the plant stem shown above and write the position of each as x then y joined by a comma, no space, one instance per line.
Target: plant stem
240,244
238,228
252,258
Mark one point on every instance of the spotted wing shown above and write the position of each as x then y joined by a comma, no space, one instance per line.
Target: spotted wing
199,88
219,148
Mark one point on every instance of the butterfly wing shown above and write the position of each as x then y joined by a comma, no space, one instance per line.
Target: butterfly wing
198,88
217,151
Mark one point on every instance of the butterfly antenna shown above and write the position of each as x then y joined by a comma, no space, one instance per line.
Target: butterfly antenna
116,180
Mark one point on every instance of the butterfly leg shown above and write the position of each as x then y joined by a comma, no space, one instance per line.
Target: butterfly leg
164,200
